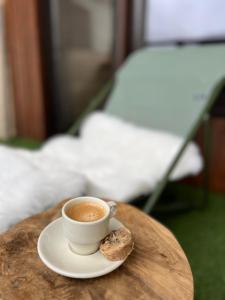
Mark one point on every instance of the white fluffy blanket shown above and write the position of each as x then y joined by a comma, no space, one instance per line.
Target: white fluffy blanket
111,158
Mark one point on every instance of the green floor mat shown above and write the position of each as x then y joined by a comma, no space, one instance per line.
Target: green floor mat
23,143
201,233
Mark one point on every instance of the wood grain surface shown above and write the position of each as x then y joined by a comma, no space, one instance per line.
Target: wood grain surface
156,269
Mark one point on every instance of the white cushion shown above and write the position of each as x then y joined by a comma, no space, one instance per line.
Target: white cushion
122,161
111,158
31,182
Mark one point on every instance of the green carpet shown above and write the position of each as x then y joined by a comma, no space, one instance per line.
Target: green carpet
22,143
201,233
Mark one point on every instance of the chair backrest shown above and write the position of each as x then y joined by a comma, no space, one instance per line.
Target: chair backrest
168,88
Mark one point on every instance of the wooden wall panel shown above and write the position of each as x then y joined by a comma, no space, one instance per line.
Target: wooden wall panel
217,156
217,164
24,48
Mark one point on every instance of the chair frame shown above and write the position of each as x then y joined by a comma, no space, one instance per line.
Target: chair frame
203,119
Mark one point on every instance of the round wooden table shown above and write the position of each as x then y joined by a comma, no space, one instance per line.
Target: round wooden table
156,269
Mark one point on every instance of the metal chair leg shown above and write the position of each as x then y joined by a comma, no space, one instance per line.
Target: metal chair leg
155,195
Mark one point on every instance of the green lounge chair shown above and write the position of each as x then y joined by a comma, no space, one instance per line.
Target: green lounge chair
171,89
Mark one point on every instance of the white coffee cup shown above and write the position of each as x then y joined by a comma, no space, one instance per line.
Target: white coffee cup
84,237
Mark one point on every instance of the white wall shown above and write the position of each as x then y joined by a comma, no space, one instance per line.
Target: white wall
171,20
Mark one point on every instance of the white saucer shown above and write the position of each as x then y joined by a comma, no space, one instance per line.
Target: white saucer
54,252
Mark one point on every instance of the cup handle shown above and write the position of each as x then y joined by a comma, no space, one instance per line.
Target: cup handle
113,208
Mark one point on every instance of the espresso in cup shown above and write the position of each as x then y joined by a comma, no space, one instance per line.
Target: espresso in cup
86,223
86,212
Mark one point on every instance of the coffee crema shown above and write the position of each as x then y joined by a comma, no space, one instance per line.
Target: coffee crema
86,212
